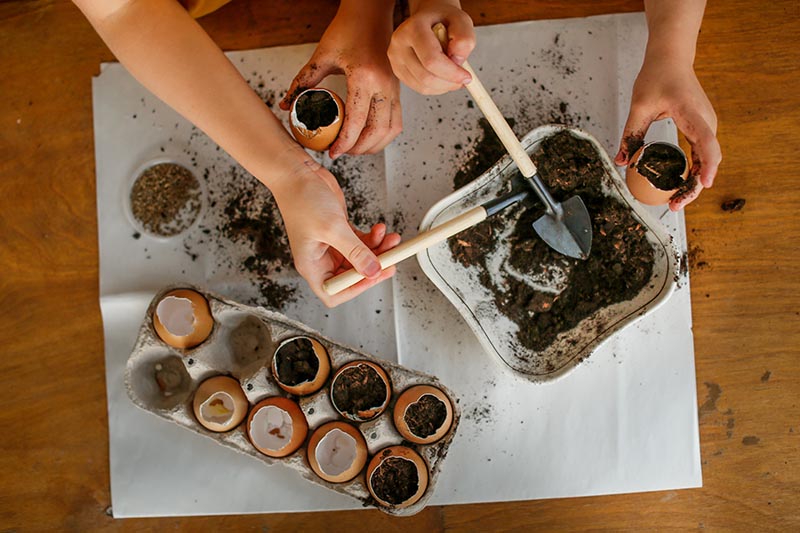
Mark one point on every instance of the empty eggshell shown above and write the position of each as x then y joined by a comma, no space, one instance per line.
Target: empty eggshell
397,477
301,365
316,118
183,318
277,427
653,185
220,404
423,414
337,452
360,390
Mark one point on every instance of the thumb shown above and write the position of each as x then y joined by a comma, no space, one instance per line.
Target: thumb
355,251
461,36
639,119
309,76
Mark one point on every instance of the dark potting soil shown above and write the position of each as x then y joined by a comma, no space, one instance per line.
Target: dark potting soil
395,480
737,204
662,165
165,199
488,152
425,416
619,265
316,109
359,388
297,362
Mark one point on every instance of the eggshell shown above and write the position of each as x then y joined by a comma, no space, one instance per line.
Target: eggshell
183,318
409,398
321,138
277,427
373,411
220,404
642,188
309,386
403,453
337,452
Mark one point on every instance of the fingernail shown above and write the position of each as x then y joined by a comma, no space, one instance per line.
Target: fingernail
373,269
458,60
466,81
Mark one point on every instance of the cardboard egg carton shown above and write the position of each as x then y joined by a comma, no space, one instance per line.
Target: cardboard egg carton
242,344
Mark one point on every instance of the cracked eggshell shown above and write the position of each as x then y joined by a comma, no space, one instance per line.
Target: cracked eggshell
220,404
277,427
379,462
309,386
337,452
405,407
642,188
321,138
183,318
373,411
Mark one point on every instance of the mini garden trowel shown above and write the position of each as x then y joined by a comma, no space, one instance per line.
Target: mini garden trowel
566,227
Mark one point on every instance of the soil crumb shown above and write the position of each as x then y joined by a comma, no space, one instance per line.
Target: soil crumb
426,416
359,388
297,363
663,165
734,205
395,480
316,109
165,199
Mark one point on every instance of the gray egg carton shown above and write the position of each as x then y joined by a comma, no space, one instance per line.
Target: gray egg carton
242,344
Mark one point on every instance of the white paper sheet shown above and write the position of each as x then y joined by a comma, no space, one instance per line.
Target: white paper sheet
624,421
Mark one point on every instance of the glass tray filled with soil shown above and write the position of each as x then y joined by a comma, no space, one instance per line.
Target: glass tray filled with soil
539,312
269,387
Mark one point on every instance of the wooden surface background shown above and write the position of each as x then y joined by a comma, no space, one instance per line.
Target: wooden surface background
745,281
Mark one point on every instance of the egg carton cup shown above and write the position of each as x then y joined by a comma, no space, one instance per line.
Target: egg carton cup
496,332
241,345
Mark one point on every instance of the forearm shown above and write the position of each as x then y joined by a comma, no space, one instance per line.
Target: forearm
673,27
171,55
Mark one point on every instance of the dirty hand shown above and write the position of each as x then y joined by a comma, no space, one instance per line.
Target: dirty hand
355,45
416,55
669,89
323,242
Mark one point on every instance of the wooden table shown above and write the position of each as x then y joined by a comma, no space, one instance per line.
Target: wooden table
745,281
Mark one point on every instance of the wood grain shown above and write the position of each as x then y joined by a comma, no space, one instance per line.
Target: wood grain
745,282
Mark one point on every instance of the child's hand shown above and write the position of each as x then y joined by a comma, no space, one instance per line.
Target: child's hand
322,241
416,55
355,45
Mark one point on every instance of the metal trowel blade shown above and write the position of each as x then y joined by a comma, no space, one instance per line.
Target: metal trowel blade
570,233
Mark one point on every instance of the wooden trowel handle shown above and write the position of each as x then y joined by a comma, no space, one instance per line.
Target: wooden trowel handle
492,114
410,247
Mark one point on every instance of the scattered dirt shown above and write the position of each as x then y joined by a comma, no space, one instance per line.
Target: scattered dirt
425,416
296,362
734,205
395,480
165,199
663,166
750,440
316,109
359,388
619,265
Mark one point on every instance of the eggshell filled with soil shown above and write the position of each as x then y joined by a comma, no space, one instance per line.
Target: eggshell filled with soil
277,427
360,390
301,365
656,172
423,414
220,404
397,477
316,118
183,318
337,452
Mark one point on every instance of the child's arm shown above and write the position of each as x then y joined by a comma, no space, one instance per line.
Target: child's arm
668,87
355,45
416,55
170,54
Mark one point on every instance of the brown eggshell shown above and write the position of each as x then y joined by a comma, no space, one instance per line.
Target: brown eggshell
402,452
321,138
268,435
642,188
319,440
368,414
202,324
410,397
231,404
306,387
